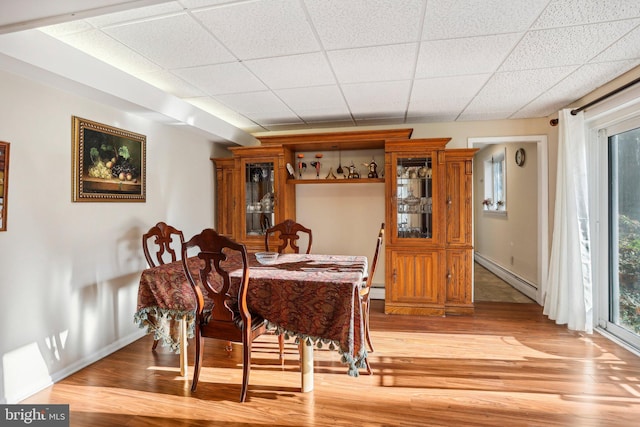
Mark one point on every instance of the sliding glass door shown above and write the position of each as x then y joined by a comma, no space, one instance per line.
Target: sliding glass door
623,306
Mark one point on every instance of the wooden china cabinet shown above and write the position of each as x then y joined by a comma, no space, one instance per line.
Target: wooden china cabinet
428,246
429,249
257,195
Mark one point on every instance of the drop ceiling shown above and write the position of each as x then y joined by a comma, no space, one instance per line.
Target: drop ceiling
269,65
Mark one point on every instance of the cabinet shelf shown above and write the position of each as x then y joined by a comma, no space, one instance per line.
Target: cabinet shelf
335,181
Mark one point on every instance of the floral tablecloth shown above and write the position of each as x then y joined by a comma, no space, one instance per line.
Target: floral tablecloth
307,296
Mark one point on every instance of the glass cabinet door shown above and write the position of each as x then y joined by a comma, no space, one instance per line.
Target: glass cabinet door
259,197
414,195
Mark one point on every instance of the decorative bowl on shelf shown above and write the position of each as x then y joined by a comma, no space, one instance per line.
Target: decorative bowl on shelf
266,258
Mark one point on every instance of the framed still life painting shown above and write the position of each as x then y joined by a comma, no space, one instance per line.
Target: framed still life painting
109,164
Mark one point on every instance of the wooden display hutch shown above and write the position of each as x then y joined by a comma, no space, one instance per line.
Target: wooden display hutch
428,244
429,249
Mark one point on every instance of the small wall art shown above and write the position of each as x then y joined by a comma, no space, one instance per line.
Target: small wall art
109,164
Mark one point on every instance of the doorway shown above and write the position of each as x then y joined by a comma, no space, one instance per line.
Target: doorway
532,284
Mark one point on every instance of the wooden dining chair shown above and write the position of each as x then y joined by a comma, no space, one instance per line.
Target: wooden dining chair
365,293
165,238
229,319
288,233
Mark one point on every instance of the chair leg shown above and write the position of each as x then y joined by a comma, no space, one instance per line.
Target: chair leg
246,364
155,344
365,315
281,345
199,351
369,370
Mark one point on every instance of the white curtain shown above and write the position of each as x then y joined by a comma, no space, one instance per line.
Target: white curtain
568,299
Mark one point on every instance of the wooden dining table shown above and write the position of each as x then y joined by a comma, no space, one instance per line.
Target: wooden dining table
310,297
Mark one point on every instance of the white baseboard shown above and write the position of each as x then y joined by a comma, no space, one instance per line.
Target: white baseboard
377,293
517,282
77,366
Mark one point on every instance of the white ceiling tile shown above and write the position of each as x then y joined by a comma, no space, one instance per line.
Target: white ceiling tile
471,55
508,92
434,117
173,42
171,83
465,18
444,96
103,47
627,47
221,79
481,115
357,23
196,4
380,121
220,110
135,14
324,103
310,69
318,97
564,46
254,102
367,100
370,64
261,29
562,13
577,84
272,118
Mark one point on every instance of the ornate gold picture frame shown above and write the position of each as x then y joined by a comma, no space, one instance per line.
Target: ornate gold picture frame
109,164
4,183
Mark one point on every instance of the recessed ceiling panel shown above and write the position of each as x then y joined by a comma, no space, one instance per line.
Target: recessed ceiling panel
444,96
357,23
383,99
222,78
108,50
466,18
563,13
584,80
310,69
374,64
628,47
173,42
564,46
328,98
261,29
508,92
469,55
254,102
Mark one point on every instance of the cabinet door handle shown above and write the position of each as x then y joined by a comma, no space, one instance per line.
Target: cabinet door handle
449,202
395,275
448,276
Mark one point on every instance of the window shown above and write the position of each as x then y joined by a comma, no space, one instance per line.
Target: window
615,224
621,316
495,194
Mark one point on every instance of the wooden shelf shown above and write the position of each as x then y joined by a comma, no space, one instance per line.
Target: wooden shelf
335,181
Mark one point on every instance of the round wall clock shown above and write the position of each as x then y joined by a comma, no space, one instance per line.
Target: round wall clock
520,157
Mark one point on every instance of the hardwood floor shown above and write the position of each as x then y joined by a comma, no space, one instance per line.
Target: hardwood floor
506,365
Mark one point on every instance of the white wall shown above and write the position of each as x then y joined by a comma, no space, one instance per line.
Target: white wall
69,271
